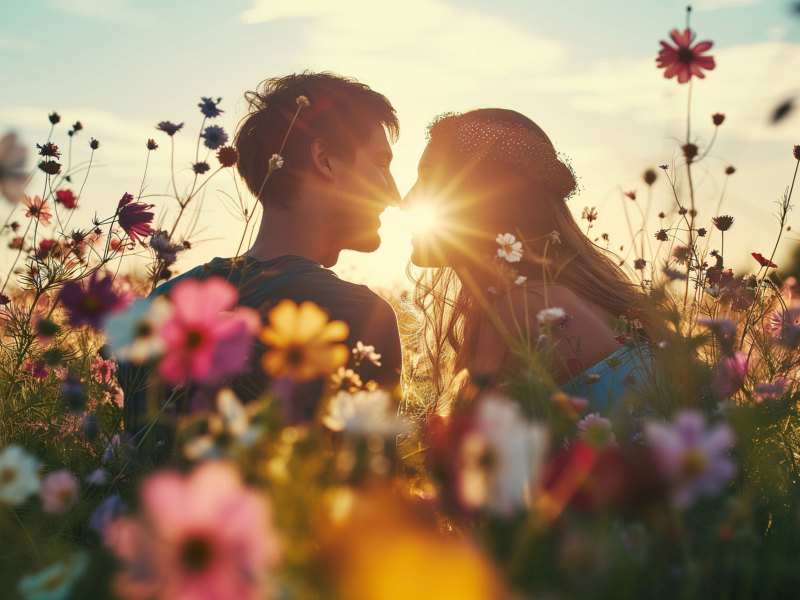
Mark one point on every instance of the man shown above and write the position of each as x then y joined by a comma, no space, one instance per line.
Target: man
327,196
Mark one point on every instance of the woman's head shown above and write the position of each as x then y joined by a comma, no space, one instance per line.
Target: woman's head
485,172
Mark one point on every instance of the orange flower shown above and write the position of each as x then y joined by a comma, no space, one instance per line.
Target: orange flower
303,344
684,60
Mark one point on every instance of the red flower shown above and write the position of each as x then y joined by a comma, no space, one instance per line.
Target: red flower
67,198
684,60
134,218
764,262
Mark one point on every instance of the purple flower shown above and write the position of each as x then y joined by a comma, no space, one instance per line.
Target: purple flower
722,328
209,108
692,457
108,510
169,127
214,136
784,326
89,303
134,218
730,375
201,167
767,392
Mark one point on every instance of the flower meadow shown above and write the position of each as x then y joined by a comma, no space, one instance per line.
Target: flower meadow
688,489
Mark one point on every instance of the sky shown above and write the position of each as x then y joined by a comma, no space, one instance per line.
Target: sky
583,70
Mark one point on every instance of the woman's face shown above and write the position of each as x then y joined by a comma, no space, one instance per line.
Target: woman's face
451,211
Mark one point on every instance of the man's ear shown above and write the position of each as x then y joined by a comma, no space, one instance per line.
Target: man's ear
320,160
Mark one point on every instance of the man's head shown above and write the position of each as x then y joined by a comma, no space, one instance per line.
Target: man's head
335,158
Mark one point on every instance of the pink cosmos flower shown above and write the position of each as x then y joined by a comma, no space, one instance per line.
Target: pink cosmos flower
37,209
60,492
204,536
684,60
135,218
103,370
206,339
692,457
730,375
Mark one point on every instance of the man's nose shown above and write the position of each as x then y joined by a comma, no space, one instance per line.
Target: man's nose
392,193
407,203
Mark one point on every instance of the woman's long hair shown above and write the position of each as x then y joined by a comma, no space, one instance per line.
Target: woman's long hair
451,314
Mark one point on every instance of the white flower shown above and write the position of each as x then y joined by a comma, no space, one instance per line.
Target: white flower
520,280
231,422
56,581
133,333
510,249
550,317
364,413
597,430
19,475
363,351
12,160
275,162
503,457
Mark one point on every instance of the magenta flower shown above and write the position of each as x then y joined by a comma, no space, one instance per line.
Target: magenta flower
89,302
60,492
784,326
103,370
692,457
730,375
202,536
206,338
767,392
683,60
135,218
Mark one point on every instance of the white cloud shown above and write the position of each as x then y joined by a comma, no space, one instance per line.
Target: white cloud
718,4
12,42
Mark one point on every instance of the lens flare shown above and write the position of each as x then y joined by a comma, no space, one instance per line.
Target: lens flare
423,218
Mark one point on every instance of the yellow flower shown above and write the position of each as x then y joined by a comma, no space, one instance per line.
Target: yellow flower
302,343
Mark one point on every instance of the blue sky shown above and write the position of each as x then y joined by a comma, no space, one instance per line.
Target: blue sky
582,69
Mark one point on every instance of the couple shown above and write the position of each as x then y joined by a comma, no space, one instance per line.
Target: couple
484,173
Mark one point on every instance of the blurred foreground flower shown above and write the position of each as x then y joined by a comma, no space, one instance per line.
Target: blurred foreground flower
60,492
19,475
229,425
303,343
56,581
683,60
200,536
89,302
206,338
12,162
692,457
730,375
133,333
364,413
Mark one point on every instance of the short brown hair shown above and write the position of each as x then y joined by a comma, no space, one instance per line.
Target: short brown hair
342,112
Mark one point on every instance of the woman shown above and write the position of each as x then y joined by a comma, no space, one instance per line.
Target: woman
506,255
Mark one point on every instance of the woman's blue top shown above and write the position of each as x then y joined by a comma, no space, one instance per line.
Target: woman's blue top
606,383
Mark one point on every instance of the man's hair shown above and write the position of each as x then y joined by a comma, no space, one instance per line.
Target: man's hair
341,111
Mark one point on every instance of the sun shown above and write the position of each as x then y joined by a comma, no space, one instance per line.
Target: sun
422,218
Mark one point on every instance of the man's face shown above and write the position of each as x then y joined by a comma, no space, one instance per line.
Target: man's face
365,188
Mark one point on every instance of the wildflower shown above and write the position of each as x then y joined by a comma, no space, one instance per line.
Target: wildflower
228,156
73,394
89,302
510,249
363,352
662,235
201,167
108,511
784,327
54,118
60,492
590,214
639,264
151,144
169,128
19,475
49,149
214,136
4,300
37,209
206,338
723,222
796,152
684,60
722,328
303,102
302,343
692,457
682,254
77,127
202,535
165,250
275,162
12,161
37,368
103,370
134,218
717,119
56,581
231,423
520,280
66,198
94,144
552,317
209,107
730,374
572,406
604,236
363,413
702,232
729,170
769,392
764,262
50,167
649,176
46,248
346,379
597,431
631,194
690,151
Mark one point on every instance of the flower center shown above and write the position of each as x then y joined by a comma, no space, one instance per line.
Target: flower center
143,329
295,356
7,475
194,339
686,56
196,554
693,462
91,304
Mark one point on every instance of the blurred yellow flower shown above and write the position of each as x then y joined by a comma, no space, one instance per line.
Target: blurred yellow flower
303,344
